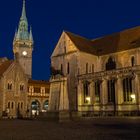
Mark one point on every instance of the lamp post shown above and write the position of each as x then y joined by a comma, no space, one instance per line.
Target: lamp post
133,96
88,99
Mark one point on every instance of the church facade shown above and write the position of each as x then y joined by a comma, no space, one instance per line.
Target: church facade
96,77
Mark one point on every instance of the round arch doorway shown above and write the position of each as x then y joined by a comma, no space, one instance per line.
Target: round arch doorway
35,108
45,106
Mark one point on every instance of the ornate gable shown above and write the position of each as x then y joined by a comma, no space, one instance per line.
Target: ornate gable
64,45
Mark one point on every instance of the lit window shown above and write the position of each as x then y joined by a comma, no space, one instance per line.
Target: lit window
37,89
127,90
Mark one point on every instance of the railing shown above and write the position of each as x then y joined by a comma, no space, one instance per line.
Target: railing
125,70
38,94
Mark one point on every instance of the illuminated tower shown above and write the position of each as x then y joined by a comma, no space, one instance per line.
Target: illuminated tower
23,44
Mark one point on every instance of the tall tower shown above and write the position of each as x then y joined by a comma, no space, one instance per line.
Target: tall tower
23,44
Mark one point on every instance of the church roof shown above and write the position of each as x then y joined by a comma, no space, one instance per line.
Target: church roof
124,40
38,82
82,43
4,66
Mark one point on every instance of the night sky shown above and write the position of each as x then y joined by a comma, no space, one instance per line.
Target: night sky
48,18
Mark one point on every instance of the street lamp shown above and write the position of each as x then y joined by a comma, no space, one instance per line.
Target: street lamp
88,99
133,96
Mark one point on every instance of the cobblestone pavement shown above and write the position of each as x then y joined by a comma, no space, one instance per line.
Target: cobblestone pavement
95,129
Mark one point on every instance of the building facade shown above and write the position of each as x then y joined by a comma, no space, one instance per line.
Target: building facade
38,96
13,89
96,77
20,95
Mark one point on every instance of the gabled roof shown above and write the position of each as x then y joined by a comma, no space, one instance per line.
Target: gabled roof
82,43
4,66
124,40
38,82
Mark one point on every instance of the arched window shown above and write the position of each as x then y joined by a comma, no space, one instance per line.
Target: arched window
86,67
12,105
61,70
8,104
92,68
21,105
9,86
46,104
132,61
21,87
18,105
111,64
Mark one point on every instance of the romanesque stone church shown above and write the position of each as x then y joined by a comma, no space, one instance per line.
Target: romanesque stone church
96,76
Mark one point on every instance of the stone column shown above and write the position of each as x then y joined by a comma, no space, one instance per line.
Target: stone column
80,93
64,101
50,98
119,93
104,94
64,112
136,90
92,93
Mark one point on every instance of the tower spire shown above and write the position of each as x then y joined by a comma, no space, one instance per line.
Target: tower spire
22,33
31,35
23,16
23,43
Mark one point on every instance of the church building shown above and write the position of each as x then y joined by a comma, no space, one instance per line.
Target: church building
96,77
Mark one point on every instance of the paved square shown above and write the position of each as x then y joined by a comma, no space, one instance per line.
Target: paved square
95,129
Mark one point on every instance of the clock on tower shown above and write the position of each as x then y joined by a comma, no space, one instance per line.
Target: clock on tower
23,44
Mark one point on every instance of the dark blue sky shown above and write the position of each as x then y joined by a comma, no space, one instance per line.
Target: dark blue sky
89,18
